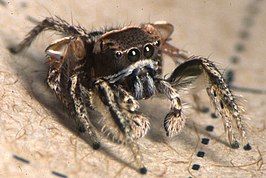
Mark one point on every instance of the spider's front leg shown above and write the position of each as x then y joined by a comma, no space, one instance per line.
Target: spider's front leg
217,89
73,103
82,115
173,122
122,109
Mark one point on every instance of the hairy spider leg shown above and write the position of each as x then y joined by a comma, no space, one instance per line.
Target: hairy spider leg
64,81
173,122
49,23
122,120
81,112
218,91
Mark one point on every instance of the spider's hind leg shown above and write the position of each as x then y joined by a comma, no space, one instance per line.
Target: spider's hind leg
219,92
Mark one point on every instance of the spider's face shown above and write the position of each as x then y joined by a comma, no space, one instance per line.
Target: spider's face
119,49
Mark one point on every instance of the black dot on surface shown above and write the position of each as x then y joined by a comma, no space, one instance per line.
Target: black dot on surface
229,76
195,167
204,109
239,47
201,154
205,141
235,59
247,147
209,128
143,170
214,115
244,34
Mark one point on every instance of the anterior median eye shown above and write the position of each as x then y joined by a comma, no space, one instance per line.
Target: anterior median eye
133,54
148,50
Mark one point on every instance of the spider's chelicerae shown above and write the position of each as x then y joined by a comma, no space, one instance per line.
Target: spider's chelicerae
110,70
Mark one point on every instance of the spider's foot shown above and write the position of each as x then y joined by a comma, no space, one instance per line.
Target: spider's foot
204,109
96,145
13,49
93,139
143,170
173,123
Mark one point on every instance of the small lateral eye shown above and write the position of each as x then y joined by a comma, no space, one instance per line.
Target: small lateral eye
118,54
133,54
148,50
158,43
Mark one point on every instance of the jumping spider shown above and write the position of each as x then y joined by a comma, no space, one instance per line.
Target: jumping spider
110,70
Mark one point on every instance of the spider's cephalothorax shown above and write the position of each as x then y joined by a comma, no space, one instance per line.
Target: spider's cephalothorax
118,49
109,70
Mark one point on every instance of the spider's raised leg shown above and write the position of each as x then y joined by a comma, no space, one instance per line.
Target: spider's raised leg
48,23
173,122
130,124
217,89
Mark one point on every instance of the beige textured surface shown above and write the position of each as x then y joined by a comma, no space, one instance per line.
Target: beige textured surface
33,126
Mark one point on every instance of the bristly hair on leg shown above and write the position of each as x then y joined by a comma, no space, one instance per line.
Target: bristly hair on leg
219,92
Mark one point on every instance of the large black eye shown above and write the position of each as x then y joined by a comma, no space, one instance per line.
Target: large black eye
148,50
133,54
118,54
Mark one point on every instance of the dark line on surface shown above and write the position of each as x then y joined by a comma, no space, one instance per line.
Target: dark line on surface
21,159
58,174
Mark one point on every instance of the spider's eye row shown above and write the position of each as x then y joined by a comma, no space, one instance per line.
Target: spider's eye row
118,54
133,54
158,43
148,50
